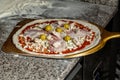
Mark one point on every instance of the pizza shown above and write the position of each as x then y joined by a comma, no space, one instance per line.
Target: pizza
56,37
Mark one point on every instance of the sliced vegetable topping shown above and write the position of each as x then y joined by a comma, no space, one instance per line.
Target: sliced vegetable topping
48,28
58,29
67,38
66,26
43,37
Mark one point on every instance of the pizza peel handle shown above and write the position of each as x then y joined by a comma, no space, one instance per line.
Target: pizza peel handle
105,36
111,35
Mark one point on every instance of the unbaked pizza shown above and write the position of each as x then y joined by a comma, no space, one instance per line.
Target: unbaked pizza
56,37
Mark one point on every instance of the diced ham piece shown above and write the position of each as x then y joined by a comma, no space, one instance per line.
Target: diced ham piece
33,33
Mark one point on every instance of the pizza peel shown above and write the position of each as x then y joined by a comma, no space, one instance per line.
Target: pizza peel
9,47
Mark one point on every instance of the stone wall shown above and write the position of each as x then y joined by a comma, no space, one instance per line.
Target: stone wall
103,2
